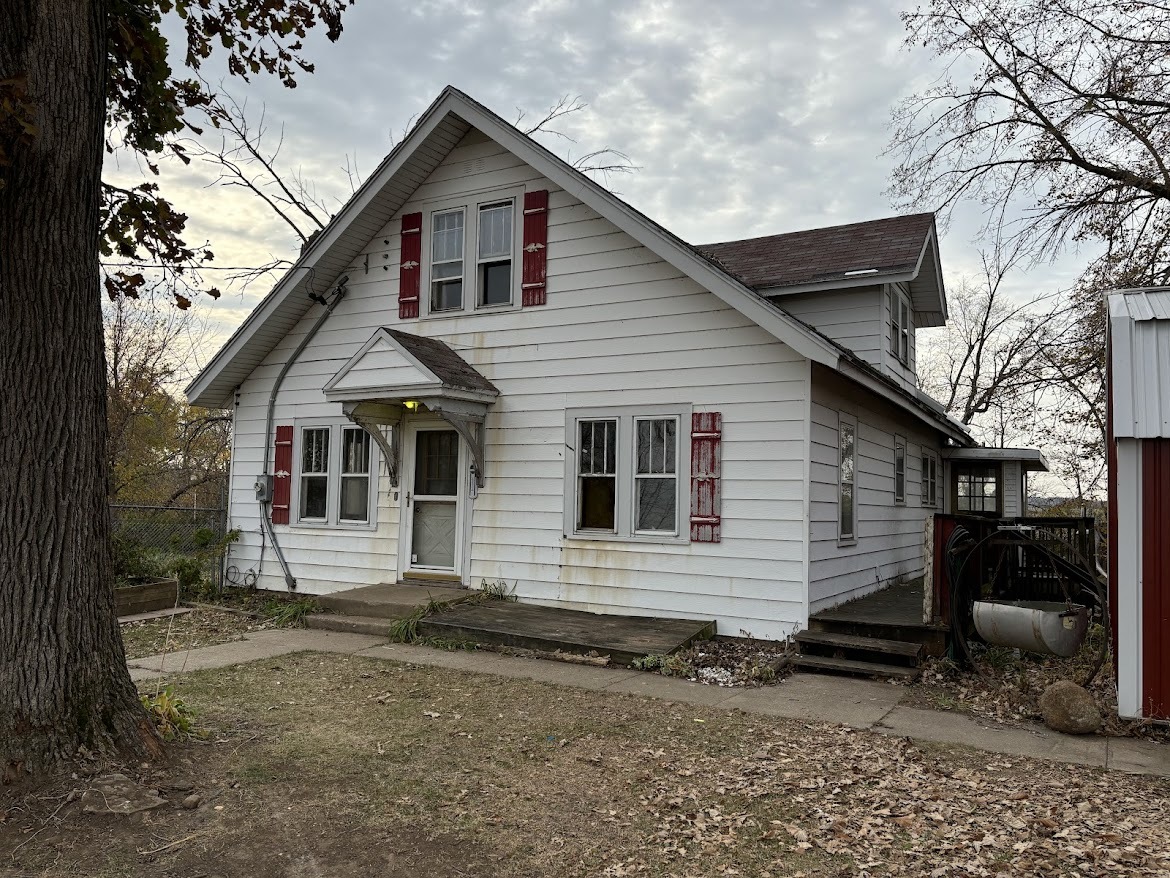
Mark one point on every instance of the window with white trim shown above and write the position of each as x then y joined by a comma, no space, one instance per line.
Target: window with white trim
354,491
336,475
447,260
900,328
847,478
623,471
929,479
314,500
493,258
471,248
899,469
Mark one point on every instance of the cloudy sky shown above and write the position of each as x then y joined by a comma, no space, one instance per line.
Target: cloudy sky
745,117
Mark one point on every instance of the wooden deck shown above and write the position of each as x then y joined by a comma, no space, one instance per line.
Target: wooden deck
529,626
894,613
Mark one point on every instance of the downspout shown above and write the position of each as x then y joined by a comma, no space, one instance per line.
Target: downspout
267,477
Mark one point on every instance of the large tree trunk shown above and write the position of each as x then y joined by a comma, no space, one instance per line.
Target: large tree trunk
63,678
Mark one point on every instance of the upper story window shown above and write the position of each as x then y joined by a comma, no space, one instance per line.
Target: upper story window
471,253
494,254
900,326
447,260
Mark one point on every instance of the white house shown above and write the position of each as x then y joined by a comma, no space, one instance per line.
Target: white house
488,367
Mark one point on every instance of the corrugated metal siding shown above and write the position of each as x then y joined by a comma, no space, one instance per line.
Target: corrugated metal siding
1155,566
1140,363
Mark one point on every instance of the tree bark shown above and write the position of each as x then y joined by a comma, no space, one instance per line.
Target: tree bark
64,685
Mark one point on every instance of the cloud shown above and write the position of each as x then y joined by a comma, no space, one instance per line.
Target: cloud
746,117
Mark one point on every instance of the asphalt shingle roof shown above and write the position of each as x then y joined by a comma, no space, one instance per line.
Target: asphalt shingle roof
451,369
890,245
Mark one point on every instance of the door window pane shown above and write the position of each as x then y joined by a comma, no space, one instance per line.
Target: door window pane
436,467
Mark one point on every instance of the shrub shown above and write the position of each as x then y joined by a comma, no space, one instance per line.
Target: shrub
169,712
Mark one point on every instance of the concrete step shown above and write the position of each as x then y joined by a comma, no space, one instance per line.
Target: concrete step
374,625
389,601
817,642
853,666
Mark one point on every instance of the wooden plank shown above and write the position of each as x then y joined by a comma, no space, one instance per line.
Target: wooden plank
860,643
850,666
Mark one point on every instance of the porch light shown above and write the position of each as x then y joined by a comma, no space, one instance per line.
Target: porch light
410,404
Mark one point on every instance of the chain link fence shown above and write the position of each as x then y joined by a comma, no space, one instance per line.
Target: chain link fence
169,533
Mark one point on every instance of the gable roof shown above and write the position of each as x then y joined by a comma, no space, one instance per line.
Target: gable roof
899,248
448,366
440,128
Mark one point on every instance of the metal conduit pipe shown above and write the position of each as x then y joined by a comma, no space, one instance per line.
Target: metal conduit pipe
267,477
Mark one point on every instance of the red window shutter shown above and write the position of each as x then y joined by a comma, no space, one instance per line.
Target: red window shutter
706,436
282,480
410,267
532,282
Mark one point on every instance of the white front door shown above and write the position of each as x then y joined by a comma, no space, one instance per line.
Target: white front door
433,514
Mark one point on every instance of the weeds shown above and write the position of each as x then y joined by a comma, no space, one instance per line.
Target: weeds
290,614
169,712
667,665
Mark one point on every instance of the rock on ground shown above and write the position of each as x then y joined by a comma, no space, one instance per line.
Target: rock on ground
117,794
1067,707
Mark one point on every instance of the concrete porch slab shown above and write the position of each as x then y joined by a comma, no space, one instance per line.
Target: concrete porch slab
389,600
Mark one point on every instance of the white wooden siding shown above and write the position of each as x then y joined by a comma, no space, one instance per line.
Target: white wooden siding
851,317
621,327
889,535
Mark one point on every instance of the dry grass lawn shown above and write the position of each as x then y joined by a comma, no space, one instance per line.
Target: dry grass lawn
316,765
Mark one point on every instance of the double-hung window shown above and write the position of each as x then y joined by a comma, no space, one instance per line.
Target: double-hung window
623,473
899,326
471,254
354,490
899,469
447,260
493,267
597,476
656,475
336,478
847,479
314,474
929,479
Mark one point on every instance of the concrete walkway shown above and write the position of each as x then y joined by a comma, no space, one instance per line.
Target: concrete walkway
862,704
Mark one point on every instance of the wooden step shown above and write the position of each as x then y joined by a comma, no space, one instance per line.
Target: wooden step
933,638
860,643
852,666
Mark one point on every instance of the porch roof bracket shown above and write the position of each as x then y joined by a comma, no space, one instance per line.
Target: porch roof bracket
390,447
470,427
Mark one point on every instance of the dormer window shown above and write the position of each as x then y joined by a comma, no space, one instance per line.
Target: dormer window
900,326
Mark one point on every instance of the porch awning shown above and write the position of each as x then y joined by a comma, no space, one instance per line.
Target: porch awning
395,372
1030,459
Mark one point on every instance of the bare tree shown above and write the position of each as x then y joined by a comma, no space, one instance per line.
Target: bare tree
245,151
1062,130
990,356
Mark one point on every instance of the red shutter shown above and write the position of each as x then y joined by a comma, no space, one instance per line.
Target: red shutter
282,481
532,283
706,435
409,267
